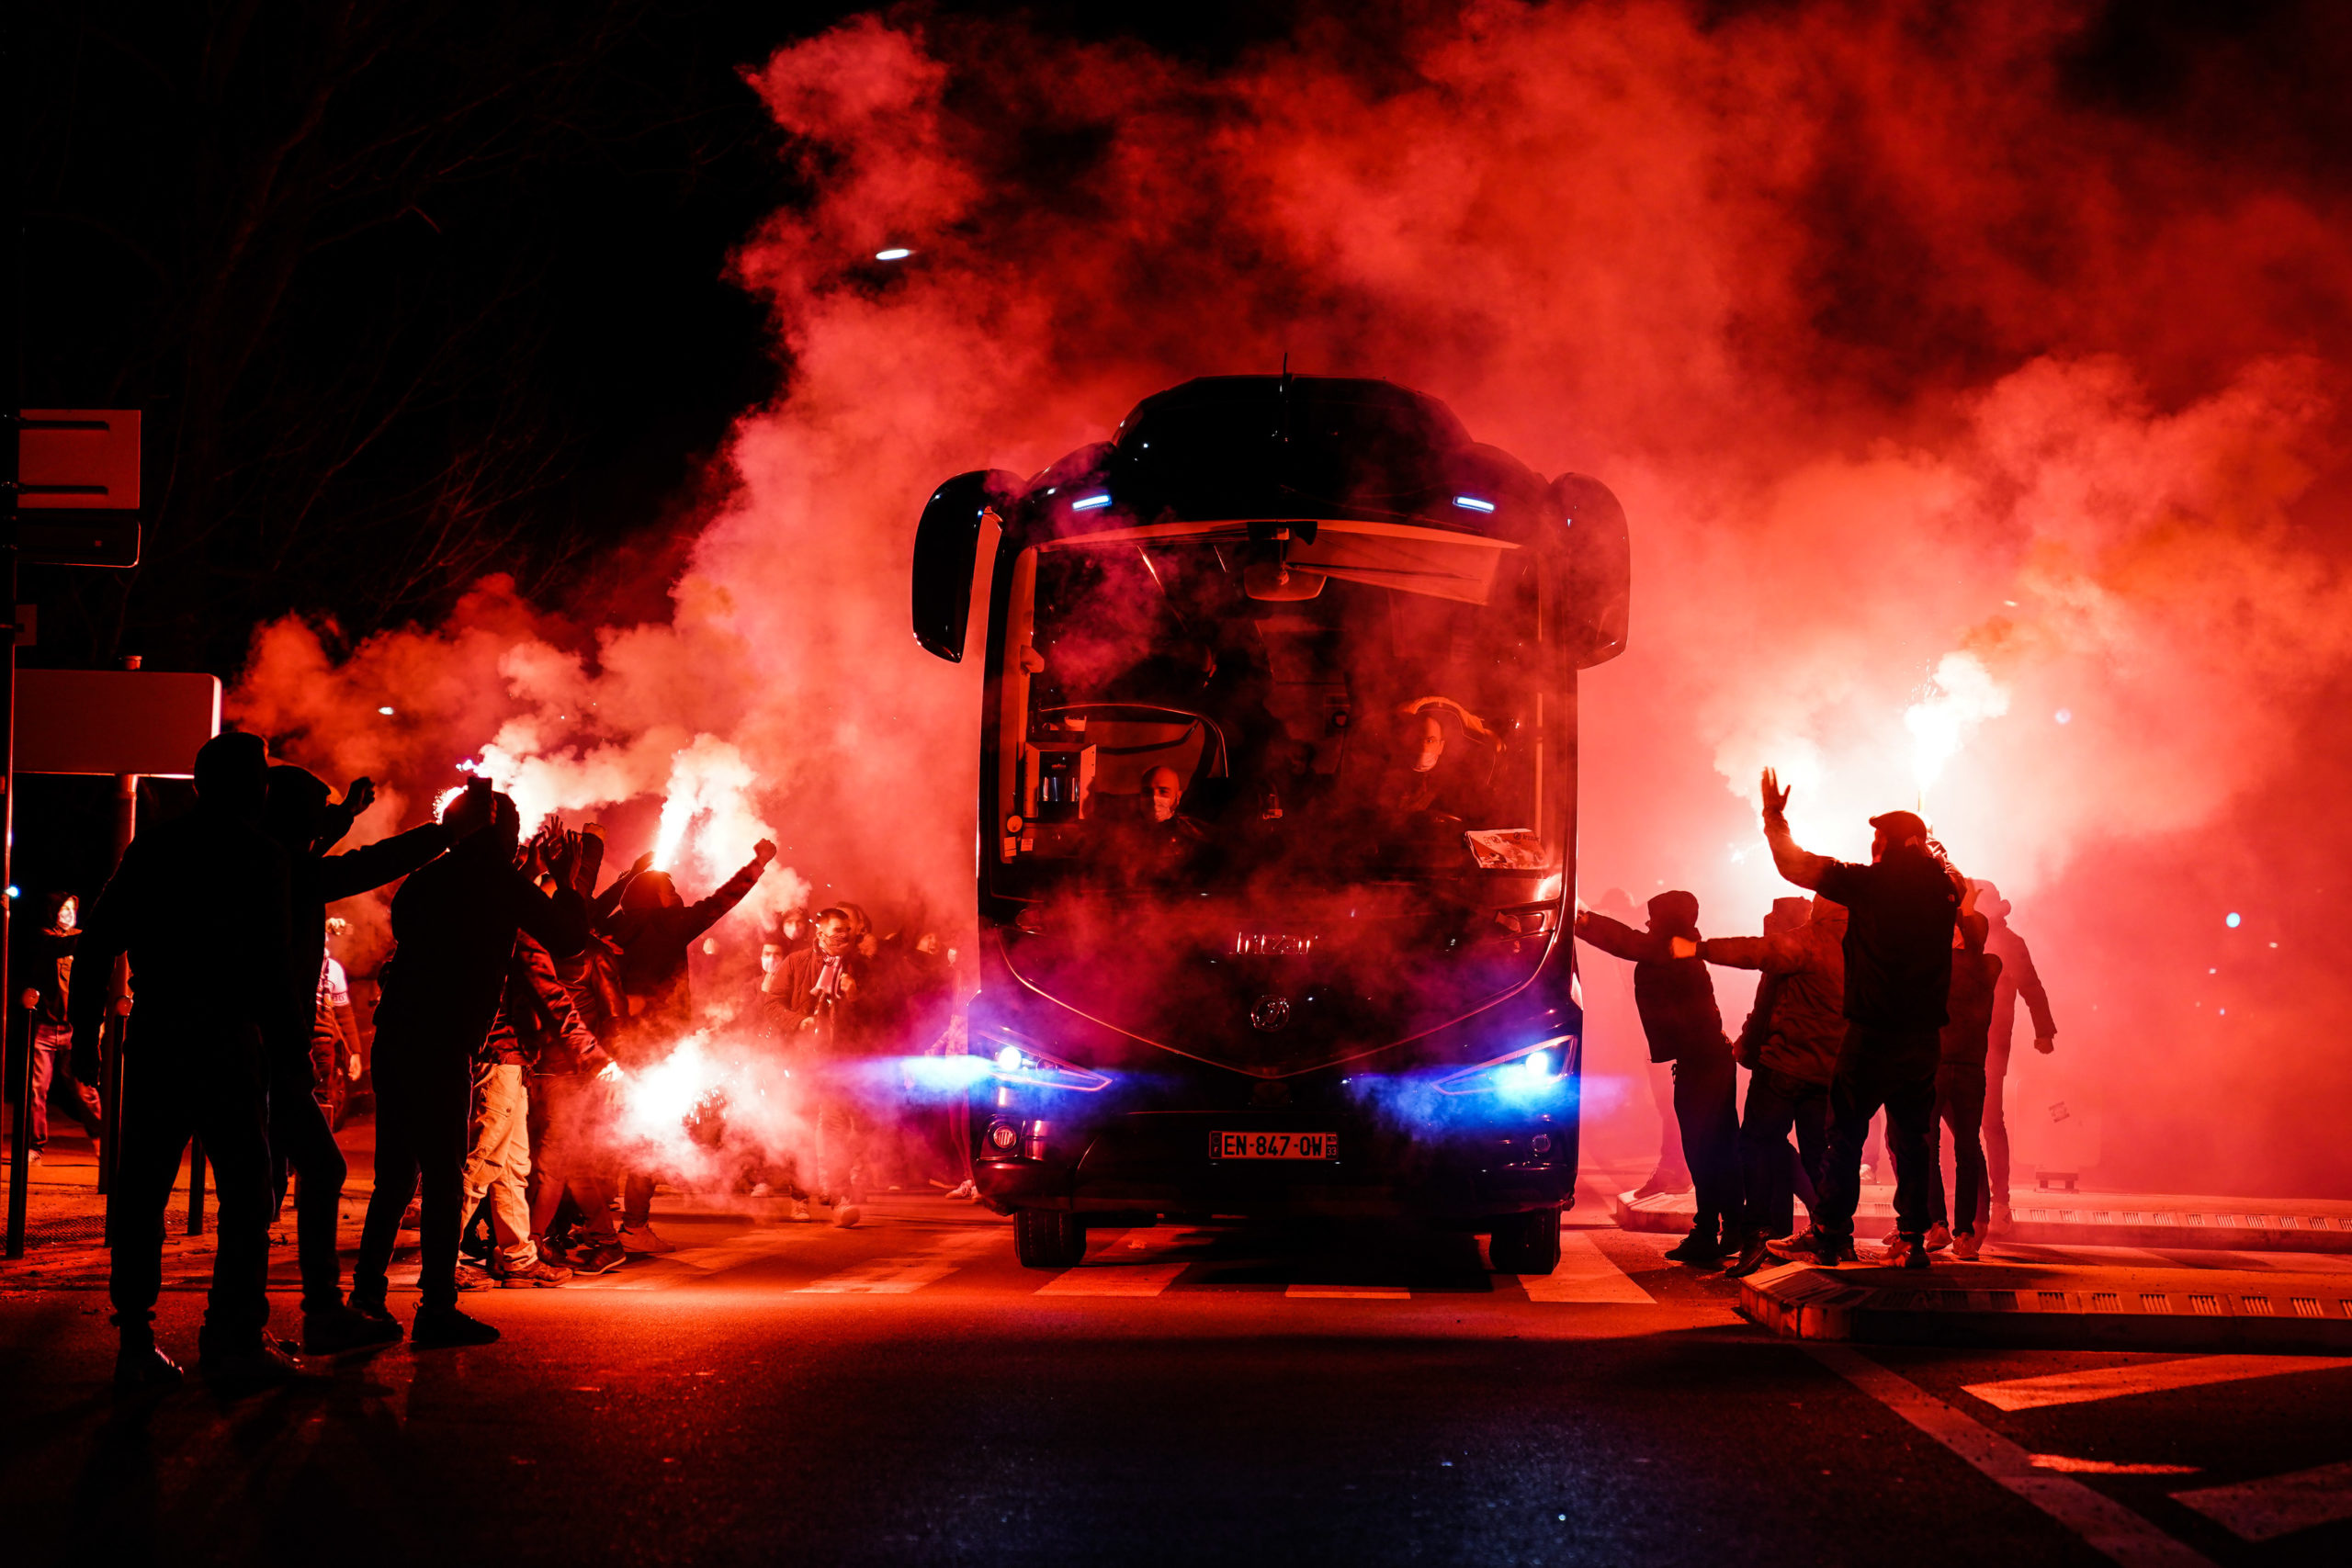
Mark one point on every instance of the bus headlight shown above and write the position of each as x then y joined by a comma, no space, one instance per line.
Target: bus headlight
1531,1072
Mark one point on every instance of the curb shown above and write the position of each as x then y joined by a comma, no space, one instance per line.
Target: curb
2251,1225
2055,1308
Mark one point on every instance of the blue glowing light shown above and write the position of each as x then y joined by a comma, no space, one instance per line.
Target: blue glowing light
1538,1066
1472,503
1090,503
896,253
2230,919
13,892
1009,1059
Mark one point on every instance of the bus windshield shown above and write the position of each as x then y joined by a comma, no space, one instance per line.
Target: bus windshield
1199,706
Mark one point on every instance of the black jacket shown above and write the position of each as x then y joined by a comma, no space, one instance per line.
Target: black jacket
199,905
454,922
1899,916
316,881
1674,996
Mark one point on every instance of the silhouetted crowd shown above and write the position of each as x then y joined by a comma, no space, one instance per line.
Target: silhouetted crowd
1891,992
522,994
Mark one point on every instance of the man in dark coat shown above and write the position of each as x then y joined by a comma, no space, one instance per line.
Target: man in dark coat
1799,1032
2019,982
199,905
822,999
299,820
1900,912
1677,1002
653,929
1960,1079
455,924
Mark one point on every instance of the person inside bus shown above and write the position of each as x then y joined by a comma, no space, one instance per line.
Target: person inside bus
1172,842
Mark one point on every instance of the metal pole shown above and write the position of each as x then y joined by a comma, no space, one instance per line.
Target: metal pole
117,1022
195,1187
12,387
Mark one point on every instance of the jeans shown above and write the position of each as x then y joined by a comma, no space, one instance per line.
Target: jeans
52,1046
422,1131
1897,1072
299,1135
1706,1105
1997,1126
573,1154
1779,1103
170,1094
1960,1105
498,1161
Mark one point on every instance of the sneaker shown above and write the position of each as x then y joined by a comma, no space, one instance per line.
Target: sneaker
332,1330
1939,1237
640,1238
2002,1221
760,1189
1867,1176
472,1278
1909,1252
846,1215
1699,1247
541,1273
438,1328
1802,1246
1829,1253
373,1310
1663,1181
598,1260
1966,1247
250,1368
799,1211
1753,1255
145,1370
968,1193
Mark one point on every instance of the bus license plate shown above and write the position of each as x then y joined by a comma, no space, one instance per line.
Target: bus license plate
1274,1145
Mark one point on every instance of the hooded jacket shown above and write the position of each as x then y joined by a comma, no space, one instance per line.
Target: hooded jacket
1807,1027
1674,996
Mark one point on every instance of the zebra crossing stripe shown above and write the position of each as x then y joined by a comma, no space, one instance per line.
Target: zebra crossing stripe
905,1273
1585,1275
1135,1264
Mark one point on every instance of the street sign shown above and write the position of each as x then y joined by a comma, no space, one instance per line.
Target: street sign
82,458
77,476
114,721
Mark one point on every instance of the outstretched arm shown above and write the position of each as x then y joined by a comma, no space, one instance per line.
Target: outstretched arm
1620,940
1792,861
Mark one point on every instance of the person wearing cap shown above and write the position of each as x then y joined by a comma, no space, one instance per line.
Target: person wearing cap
1901,909
1796,1030
2019,982
1677,1003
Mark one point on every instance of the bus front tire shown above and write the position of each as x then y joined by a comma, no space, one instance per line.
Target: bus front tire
1048,1238
1525,1243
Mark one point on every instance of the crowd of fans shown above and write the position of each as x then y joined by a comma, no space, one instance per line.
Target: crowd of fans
526,997
1892,991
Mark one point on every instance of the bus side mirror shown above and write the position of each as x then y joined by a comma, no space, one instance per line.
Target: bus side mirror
945,541
1600,576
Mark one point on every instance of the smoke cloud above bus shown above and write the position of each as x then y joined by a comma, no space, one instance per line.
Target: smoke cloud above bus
1981,431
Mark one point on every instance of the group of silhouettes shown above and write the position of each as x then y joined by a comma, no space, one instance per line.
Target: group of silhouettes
1888,992
222,914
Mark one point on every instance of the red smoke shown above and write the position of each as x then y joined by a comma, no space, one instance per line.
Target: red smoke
1897,337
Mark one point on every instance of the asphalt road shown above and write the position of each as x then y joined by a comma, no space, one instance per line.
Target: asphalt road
904,1391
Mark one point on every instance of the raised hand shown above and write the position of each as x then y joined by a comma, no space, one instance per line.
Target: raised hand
359,796
1776,799
765,850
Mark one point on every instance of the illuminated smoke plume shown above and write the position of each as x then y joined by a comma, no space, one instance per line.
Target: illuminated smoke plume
1932,378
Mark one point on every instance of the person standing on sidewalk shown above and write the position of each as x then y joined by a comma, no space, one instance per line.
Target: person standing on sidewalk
1797,1044
2020,982
1677,1002
455,924
199,905
1900,912
1960,1078
301,823
47,974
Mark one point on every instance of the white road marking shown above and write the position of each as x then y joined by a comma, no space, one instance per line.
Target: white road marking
2067,1465
2105,1524
906,1272
2265,1511
2144,1377
1134,1265
1585,1274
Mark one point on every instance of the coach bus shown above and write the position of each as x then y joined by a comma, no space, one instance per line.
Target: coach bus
1278,815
